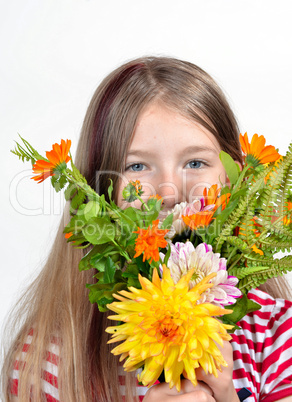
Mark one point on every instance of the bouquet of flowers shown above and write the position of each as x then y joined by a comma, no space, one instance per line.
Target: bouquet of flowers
178,285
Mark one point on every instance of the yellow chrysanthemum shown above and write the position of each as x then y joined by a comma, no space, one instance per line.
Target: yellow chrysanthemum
165,329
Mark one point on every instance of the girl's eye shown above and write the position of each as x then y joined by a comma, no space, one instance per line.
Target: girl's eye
136,167
194,164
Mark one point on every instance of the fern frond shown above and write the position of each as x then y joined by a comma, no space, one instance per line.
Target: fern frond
276,243
237,243
277,188
28,153
231,223
244,211
241,273
262,273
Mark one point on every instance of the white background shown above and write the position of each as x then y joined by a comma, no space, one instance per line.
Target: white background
55,52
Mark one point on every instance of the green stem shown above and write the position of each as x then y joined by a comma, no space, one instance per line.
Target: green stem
235,262
231,254
143,203
122,252
83,186
192,236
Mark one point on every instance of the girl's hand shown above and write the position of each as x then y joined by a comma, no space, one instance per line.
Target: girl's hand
209,388
222,387
188,393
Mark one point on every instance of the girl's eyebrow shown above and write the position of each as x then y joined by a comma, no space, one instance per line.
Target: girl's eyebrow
199,149
194,149
139,152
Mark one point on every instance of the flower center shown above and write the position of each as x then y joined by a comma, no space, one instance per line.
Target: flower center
197,277
151,240
168,329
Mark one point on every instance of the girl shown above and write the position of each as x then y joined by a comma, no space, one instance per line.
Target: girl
162,121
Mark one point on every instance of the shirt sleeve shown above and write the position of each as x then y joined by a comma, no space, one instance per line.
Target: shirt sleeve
276,370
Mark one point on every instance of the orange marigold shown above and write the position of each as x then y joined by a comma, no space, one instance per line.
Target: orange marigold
200,219
137,185
212,197
149,241
132,191
256,152
156,197
57,160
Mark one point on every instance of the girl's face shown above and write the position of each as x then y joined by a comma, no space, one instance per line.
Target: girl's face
172,157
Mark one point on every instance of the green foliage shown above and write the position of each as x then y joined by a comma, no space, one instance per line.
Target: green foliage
242,307
58,181
102,293
132,191
254,226
27,152
255,231
166,224
231,168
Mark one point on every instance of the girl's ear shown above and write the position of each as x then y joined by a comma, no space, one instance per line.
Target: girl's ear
239,164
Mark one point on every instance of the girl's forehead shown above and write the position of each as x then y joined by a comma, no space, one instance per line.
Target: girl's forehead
159,125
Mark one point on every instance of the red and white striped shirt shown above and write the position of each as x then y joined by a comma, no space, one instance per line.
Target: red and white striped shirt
262,353
49,369
262,350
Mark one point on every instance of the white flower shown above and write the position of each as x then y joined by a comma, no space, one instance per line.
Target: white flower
178,225
184,256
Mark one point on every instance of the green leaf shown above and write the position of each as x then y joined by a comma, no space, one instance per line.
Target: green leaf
252,306
166,224
58,181
102,302
136,216
109,271
154,204
84,263
101,293
231,168
242,307
79,178
110,190
99,231
131,271
134,282
76,224
91,210
77,200
70,191
143,266
167,255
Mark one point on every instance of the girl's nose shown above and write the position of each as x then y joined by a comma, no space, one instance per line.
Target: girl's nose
171,188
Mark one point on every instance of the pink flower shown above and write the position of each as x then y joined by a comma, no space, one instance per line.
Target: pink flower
184,256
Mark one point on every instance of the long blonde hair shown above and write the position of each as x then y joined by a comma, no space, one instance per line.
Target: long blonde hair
56,303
